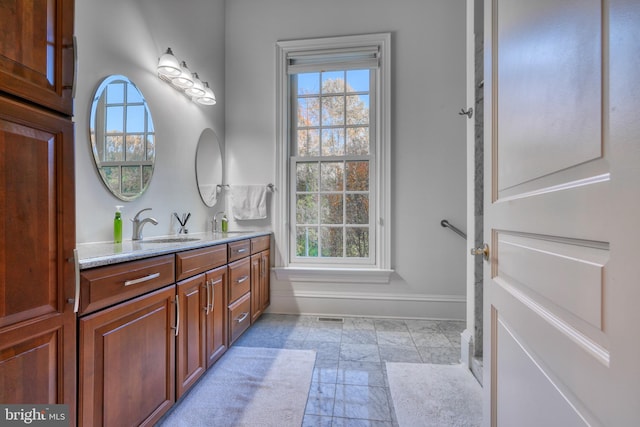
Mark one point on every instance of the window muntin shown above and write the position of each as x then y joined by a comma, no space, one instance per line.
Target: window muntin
331,166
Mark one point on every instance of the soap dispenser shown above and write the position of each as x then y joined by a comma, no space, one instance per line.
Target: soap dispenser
117,226
225,223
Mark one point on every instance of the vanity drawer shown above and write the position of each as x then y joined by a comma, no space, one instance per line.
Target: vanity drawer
239,249
190,263
259,244
239,278
239,317
104,286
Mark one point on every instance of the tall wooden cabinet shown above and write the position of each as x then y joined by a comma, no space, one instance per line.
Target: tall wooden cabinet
37,203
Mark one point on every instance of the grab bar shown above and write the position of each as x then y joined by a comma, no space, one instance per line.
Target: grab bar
456,230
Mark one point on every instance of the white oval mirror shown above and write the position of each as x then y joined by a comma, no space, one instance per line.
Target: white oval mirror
122,137
209,167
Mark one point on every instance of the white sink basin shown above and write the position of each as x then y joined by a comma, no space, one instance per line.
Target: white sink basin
233,232
171,240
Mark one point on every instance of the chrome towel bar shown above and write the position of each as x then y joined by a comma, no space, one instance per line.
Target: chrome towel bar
456,230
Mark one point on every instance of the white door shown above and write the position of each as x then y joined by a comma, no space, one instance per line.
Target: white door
562,213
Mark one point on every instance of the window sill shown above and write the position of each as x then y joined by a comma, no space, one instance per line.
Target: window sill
333,275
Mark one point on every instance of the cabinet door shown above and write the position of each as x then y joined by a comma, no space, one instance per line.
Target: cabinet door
265,275
256,287
217,325
37,52
34,364
127,362
37,237
260,271
190,358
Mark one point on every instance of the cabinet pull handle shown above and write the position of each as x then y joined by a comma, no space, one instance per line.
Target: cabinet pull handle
242,279
206,306
177,327
74,84
242,317
241,250
213,294
76,266
142,279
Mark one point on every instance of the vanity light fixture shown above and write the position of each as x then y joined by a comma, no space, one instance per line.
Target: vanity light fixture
184,80
208,98
197,89
181,78
168,65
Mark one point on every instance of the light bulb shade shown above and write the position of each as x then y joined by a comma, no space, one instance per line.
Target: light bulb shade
184,80
208,98
168,64
197,90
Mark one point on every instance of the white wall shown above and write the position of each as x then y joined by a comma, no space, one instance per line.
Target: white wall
232,45
428,146
127,37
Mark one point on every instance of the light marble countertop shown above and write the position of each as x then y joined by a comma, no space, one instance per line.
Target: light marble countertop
105,253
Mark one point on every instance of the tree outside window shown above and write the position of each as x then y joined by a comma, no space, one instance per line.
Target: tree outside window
332,159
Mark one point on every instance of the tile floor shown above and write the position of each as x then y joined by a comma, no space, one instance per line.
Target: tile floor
349,386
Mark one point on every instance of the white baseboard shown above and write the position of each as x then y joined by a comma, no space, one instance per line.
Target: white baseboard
449,307
466,348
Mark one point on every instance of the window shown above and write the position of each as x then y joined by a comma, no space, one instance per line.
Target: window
333,152
330,166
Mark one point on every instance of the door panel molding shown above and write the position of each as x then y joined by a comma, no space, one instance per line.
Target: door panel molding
517,405
566,274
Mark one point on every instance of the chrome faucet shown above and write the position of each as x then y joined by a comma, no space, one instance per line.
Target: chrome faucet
138,224
216,228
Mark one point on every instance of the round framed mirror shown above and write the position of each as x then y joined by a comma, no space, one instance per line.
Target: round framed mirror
123,138
209,167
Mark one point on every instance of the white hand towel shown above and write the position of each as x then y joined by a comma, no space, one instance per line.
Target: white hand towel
209,194
249,201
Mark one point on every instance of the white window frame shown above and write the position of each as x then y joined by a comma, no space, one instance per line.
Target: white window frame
379,271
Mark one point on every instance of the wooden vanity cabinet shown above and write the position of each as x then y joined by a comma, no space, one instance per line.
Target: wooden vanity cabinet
127,343
149,329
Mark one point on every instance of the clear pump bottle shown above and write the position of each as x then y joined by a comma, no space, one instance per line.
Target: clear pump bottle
117,226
